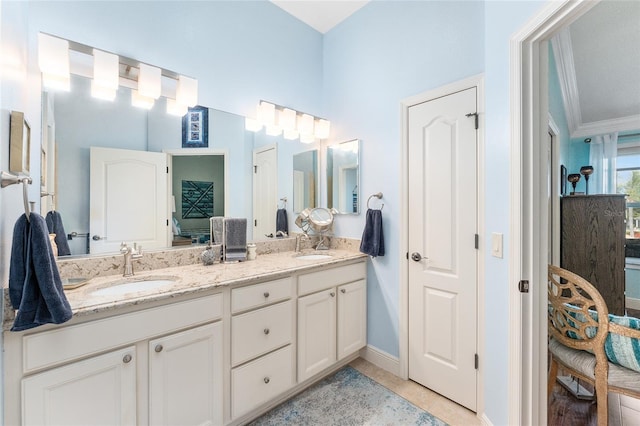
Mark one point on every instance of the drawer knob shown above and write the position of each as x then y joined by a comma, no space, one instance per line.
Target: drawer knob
266,331
267,380
342,290
159,348
332,294
127,359
266,294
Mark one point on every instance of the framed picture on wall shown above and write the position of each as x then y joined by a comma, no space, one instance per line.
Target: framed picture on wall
20,144
195,128
563,180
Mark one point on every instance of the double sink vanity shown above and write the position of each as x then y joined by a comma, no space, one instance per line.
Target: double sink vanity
183,343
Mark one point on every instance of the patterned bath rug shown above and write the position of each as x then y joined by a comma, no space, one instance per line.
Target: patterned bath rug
347,398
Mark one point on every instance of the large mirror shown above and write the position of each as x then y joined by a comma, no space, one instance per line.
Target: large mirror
305,180
343,177
80,122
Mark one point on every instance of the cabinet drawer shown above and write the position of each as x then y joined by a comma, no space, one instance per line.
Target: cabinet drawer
261,380
257,295
65,344
316,281
260,331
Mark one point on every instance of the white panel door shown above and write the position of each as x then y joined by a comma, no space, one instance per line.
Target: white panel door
265,187
128,199
96,391
185,377
442,230
316,333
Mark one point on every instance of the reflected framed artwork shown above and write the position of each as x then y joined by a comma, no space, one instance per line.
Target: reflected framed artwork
195,128
563,180
20,144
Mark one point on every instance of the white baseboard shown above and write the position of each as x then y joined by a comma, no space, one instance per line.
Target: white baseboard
484,420
381,359
632,303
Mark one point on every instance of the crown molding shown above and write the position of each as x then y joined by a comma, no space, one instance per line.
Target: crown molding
563,53
622,124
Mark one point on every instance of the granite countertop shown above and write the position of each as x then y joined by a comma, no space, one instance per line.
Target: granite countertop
189,279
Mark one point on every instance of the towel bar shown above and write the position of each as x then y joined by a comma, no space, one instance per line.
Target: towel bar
11,179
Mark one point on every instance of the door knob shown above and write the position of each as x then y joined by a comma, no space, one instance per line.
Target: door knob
158,348
417,257
98,238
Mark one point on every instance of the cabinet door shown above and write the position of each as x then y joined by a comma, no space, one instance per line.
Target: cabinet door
185,377
352,318
96,391
316,332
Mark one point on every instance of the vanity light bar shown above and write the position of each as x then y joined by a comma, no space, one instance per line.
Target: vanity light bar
277,119
149,81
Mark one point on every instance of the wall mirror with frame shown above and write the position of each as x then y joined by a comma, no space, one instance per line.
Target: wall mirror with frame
343,177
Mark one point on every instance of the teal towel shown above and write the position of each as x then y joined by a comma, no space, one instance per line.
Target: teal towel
35,287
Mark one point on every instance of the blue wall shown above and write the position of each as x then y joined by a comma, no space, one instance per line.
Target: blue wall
381,55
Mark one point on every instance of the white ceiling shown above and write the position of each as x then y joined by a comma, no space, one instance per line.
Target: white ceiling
598,60
321,15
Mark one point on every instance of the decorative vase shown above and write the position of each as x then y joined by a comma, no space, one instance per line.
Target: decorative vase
208,256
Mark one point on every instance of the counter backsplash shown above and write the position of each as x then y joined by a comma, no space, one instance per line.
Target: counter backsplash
113,264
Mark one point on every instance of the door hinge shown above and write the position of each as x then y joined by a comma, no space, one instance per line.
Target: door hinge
476,361
167,222
407,255
477,241
523,286
255,169
167,169
255,222
475,115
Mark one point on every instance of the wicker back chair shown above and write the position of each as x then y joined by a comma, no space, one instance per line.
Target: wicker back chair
578,328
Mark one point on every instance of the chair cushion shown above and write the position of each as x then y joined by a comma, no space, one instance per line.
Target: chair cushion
584,363
621,350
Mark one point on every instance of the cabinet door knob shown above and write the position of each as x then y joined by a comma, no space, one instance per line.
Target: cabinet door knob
266,294
127,359
343,290
267,380
332,294
159,348
266,331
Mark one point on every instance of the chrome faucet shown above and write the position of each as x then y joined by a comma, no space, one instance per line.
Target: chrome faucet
130,254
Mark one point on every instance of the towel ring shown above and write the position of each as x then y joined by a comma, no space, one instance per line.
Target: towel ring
378,196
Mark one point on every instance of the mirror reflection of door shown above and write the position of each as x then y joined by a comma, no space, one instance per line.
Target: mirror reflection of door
305,180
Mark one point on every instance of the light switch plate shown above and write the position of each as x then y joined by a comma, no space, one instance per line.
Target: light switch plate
496,244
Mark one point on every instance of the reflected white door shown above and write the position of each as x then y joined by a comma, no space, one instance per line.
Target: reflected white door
265,186
128,199
442,233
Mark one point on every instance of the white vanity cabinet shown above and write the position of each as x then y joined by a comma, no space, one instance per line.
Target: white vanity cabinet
161,365
185,384
98,390
331,317
262,357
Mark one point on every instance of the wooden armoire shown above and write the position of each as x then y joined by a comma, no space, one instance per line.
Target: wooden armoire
592,243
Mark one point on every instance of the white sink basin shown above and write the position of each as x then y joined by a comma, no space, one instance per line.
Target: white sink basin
313,256
132,287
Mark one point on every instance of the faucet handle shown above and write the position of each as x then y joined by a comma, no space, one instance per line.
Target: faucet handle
123,247
137,250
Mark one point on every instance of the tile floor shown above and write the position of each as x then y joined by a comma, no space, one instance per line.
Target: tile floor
439,406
